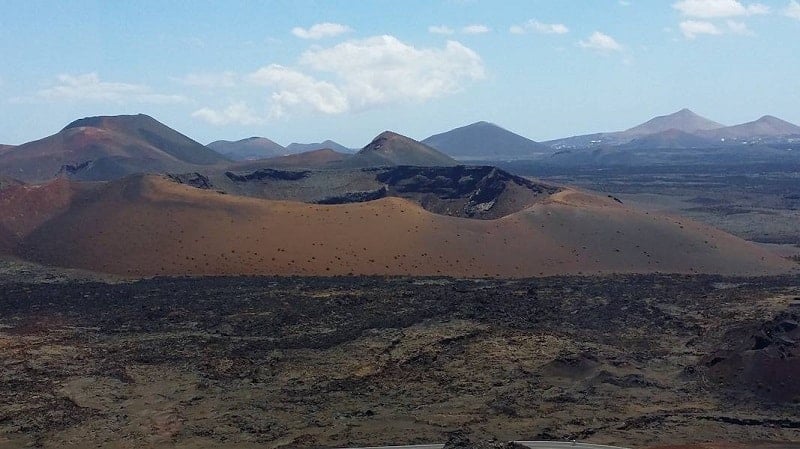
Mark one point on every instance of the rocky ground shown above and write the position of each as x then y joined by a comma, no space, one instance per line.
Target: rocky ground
332,362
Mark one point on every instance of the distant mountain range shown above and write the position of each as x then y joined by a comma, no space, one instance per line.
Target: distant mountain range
683,130
765,127
255,148
110,147
105,148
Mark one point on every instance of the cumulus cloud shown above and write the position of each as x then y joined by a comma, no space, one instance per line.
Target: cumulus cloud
534,26
237,113
792,10
692,28
89,87
354,75
382,70
600,42
321,30
296,90
210,80
475,29
710,9
440,29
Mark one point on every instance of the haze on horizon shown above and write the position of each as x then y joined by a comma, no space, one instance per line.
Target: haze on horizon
305,71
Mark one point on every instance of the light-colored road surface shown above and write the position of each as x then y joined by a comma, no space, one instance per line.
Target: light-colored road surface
418,446
563,445
531,444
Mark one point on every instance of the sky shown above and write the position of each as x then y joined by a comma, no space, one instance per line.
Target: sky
306,71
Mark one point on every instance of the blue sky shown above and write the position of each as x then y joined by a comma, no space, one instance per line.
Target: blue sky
303,71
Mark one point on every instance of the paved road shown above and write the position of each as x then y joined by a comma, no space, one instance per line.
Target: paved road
563,445
531,444
418,446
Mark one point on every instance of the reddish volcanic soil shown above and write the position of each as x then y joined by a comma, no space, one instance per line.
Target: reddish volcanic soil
23,208
147,225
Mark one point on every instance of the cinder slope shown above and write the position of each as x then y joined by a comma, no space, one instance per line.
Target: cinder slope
312,159
483,140
23,207
669,139
248,149
683,120
389,149
102,148
151,226
295,147
766,126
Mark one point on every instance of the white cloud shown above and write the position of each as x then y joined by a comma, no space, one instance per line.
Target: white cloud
210,80
382,70
440,29
236,113
758,9
89,87
355,75
475,29
692,28
710,9
321,30
624,3
792,10
549,28
600,42
295,90
535,26
740,28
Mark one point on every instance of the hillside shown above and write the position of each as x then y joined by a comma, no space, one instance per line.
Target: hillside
479,192
108,147
484,141
389,148
669,139
148,225
311,159
684,120
295,147
248,149
767,126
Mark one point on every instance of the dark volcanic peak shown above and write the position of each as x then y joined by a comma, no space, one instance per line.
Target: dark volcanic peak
250,148
766,126
390,148
684,120
109,147
484,140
